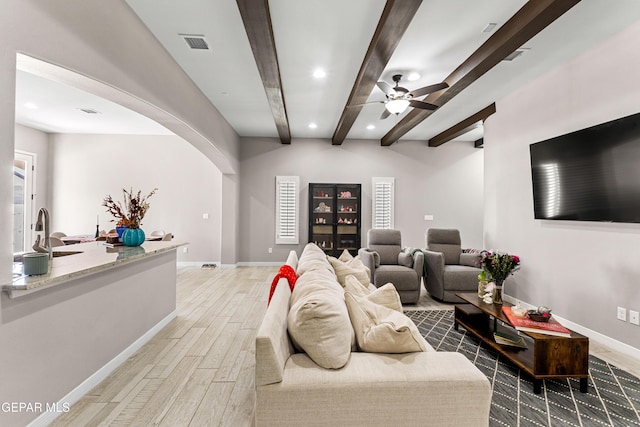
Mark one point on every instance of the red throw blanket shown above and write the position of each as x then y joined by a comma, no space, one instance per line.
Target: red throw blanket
288,273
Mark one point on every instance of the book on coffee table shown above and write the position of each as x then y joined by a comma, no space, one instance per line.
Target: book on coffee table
508,339
552,327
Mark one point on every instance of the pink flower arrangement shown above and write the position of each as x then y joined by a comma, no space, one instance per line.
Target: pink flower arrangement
498,265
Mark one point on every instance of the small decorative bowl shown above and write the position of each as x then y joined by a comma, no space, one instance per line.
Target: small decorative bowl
539,317
518,311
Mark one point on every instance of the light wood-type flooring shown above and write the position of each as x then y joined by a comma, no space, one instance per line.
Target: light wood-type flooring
199,370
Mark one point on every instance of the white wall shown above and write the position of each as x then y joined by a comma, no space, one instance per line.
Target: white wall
446,182
582,270
94,39
86,168
36,142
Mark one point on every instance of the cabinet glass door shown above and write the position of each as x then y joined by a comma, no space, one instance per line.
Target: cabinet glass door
348,214
323,199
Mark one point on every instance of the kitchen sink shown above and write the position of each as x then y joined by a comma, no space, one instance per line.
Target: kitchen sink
56,254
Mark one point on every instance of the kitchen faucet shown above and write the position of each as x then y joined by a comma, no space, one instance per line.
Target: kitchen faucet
47,244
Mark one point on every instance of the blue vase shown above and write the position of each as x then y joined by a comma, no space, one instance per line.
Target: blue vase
133,237
120,229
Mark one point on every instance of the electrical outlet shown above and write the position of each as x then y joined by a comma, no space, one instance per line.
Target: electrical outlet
622,314
270,250
633,317
185,250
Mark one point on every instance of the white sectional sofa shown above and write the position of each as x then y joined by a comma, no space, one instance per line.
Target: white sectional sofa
371,389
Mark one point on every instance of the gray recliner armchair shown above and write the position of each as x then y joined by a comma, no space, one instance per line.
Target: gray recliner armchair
448,269
388,264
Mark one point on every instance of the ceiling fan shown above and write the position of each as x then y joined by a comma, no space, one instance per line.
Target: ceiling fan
399,98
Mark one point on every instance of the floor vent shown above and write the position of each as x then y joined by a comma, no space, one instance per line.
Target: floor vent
209,266
195,41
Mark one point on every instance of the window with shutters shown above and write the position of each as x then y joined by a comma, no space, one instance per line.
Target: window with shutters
383,202
287,209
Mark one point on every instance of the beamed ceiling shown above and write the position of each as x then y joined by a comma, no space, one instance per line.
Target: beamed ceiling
261,56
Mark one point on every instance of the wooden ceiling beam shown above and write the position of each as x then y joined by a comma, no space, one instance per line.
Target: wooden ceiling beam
395,20
463,127
257,23
531,19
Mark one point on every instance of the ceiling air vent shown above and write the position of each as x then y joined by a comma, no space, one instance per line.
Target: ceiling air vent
516,53
89,110
195,41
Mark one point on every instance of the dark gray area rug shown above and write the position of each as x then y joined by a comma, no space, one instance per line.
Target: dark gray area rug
613,398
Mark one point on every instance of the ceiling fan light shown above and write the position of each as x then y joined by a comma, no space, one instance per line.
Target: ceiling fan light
397,106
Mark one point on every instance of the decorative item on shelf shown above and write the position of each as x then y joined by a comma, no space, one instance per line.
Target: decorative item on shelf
518,311
482,283
498,266
129,215
489,292
133,237
542,314
497,295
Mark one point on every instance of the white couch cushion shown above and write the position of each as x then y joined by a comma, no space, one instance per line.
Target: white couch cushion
380,329
312,258
318,320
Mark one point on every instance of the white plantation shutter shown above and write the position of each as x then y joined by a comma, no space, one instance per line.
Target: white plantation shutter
383,202
287,209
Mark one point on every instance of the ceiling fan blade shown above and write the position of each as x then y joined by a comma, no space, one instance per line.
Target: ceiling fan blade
428,89
385,87
423,105
385,114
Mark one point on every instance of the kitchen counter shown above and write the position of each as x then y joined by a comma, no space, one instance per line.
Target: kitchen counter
65,331
93,257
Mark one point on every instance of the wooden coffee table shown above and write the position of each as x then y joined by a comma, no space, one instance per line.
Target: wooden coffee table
546,356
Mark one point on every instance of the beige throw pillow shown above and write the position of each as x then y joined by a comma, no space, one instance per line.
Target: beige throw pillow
354,267
353,285
345,256
382,330
385,295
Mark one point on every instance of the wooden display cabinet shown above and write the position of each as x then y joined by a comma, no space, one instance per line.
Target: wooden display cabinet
334,217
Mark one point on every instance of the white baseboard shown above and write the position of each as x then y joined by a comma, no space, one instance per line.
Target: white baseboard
239,264
72,397
593,335
260,264
196,263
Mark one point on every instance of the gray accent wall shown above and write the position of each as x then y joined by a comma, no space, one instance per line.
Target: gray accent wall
446,182
582,270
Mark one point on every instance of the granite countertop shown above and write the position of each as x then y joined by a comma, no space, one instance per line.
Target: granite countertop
93,257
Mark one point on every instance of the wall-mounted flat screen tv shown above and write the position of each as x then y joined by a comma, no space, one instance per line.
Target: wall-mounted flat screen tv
589,175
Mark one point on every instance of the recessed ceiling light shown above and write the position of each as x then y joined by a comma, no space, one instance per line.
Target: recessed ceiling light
412,77
371,127
312,125
30,105
319,73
